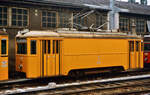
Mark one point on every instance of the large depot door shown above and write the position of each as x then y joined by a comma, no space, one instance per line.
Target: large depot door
49,57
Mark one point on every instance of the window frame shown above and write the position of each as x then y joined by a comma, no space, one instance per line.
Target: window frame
7,16
100,20
83,22
28,17
64,19
138,25
5,46
122,24
47,20
131,46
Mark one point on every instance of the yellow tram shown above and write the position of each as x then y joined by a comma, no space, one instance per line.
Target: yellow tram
48,53
3,55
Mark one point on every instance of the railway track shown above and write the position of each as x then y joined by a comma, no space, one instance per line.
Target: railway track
25,83
113,86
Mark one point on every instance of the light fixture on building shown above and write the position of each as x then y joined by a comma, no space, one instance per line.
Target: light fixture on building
36,12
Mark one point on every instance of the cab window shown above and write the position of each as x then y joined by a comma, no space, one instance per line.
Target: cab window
3,46
137,46
21,46
132,46
33,46
142,46
147,47
55,46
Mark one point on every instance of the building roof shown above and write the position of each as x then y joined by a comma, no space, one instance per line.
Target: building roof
134,8
123,7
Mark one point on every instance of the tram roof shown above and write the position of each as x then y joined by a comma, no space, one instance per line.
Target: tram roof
75,34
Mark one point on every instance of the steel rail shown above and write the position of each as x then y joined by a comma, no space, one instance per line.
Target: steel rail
19,83
68,92
53,86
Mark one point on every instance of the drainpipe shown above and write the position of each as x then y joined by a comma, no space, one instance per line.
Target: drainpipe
112,15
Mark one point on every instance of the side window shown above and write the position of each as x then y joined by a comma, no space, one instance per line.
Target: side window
33,46
49,47
132,46
3,46
55,47
19,17
142,46
137,46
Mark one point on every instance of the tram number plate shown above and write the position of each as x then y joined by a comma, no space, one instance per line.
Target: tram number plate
4,64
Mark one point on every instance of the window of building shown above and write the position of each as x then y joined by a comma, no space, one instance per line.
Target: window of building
33,46
19,17
3,46
49,19
3,16
124,24
64,20
140,25
100,20
79,21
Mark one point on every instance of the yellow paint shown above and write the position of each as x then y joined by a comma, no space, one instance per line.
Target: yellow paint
79,53
4,60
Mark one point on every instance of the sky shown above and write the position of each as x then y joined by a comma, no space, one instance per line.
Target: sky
136,1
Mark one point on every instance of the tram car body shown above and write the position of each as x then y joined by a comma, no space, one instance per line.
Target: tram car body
3,55
146,51
46,54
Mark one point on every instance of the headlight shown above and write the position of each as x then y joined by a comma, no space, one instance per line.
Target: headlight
145,59
20,66
146,54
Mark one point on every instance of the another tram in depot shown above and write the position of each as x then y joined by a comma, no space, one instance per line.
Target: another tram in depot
3,55
146,51
46,53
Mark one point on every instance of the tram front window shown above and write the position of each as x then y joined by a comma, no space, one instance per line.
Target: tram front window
147,47
3,46
21,47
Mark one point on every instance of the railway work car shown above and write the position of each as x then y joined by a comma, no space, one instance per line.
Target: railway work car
146,51
62,53
3,55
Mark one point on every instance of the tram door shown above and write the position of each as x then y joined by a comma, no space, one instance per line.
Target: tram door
137,57
131,55
50,58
